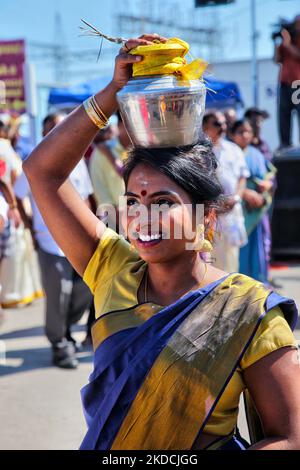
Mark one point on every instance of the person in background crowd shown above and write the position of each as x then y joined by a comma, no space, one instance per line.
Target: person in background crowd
21,144
8,212
3,224
19,271
9,166
4,203
232,172
230,116
257,200
256,117
287,54
67,296
106,165
7,192
8,155
106,134
3,218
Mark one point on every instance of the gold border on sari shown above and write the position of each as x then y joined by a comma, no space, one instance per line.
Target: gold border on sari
119,320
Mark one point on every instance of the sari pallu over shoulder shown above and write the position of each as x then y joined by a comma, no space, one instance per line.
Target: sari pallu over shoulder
126,344
158,373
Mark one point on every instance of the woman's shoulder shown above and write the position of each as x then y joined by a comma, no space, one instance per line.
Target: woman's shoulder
273,333
112,255
275,322
250,291
244,282
237,284
267,316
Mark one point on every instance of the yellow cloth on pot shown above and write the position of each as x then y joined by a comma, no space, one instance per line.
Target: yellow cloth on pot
166,59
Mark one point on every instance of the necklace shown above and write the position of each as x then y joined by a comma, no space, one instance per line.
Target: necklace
146,282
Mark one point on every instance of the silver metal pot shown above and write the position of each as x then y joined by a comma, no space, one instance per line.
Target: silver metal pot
162,111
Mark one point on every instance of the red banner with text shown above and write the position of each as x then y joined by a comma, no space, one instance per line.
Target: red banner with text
12,93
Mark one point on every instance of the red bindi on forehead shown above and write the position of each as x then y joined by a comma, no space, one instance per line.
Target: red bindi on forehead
144,192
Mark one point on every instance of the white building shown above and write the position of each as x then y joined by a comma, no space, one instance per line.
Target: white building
241,73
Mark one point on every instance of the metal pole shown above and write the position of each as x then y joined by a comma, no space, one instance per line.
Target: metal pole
254,65
31,98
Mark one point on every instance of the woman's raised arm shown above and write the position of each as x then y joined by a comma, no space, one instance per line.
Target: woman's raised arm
74,227
70,221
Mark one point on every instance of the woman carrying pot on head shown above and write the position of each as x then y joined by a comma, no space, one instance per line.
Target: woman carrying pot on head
176,341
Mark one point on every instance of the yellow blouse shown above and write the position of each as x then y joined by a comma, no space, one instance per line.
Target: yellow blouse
114,274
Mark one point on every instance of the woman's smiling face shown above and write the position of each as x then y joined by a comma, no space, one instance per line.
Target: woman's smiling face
159,220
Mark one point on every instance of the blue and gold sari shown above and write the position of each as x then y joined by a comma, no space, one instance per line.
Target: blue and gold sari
159,372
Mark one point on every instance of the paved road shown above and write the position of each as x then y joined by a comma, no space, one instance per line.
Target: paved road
40,405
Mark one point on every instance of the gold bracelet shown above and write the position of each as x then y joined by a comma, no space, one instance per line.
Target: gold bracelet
93,114
92,104
98,109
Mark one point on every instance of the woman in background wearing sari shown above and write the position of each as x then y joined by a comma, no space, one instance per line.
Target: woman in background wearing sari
19,270
176,341
254,256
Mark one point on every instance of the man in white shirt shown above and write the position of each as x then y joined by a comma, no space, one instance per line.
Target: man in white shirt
67,296
232,173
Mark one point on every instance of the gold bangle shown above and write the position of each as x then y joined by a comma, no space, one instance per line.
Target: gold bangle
99,116
93,115
98,109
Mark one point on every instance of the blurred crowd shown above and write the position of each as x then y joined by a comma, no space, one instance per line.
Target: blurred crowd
32,265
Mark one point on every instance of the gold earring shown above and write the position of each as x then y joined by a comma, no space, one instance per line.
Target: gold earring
201,244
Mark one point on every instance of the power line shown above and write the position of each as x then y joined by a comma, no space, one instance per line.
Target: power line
170,21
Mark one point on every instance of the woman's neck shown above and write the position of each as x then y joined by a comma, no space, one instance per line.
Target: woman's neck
169,281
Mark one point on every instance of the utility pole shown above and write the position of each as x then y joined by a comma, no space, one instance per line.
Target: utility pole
254,64
61,53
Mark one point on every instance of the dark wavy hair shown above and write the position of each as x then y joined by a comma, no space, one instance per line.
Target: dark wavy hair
235,127
192,167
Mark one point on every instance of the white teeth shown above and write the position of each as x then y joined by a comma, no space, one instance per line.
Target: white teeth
148,238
